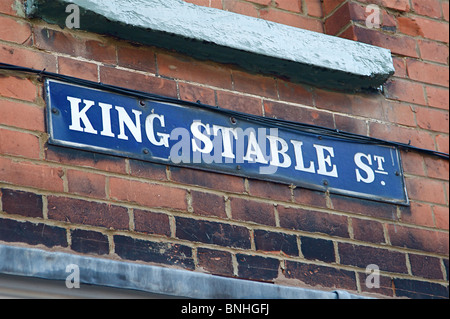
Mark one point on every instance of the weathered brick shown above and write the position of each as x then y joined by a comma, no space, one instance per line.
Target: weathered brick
129,248
215,262
433,51
252,211
257,267
32,175
294,92
76,211
431,119
13,30
138,81
298,114
151,223
418,214
78,69
269,190
362,256
255,84
32,233
89,242
419,239
184,68
276,242
146,194
406,91
86,183
205,204
317,249
137,58
312,221
244,8
438,97
212,233
426,266
441,217
426,190
368,231
20,144
31,117
291,19
419,289
151,171
195,93
289,5
240,103
85,159
216,181
21,203
428,72
315,275
309,197
363,207
17,88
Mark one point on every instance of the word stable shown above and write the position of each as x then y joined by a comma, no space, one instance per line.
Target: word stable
205,138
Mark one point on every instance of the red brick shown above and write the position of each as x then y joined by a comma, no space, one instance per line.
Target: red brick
205,204
252,211
418,214
84,183
27,58
433,51
149,195
314,8
426,266
18,143
137,81
151,223
308,197
78,69
21,203
296,93
184,68
313,221
31,175
401,45
320,276
16,88
368,231
85,159
329,6
362,256
291,19
137,58
57,41
442,142
437,168
431,119
89,242
413,163
244,8
255,84
31,117
276,243
441,217
403,135
350,124
445,10
400,67
76,211
240,103
400,113
269,190
289,5
195,93
426,190
419,239
363,207
257,267
427,28
13,30
349,12
430,8
428,72
298,114
208,180
151,171
11,7
406,91
215,262
437,97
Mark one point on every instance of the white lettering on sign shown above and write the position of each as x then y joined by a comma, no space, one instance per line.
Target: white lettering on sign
216,143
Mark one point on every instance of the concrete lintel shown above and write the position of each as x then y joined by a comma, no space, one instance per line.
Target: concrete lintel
159,282
255,45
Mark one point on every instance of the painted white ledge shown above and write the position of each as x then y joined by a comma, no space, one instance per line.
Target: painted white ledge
253,44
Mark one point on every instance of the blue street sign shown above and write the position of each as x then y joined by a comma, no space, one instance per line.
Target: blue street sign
204,138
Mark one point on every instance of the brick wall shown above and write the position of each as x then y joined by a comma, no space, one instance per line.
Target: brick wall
60,199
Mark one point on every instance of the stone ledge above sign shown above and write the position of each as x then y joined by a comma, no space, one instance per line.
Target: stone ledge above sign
256,45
